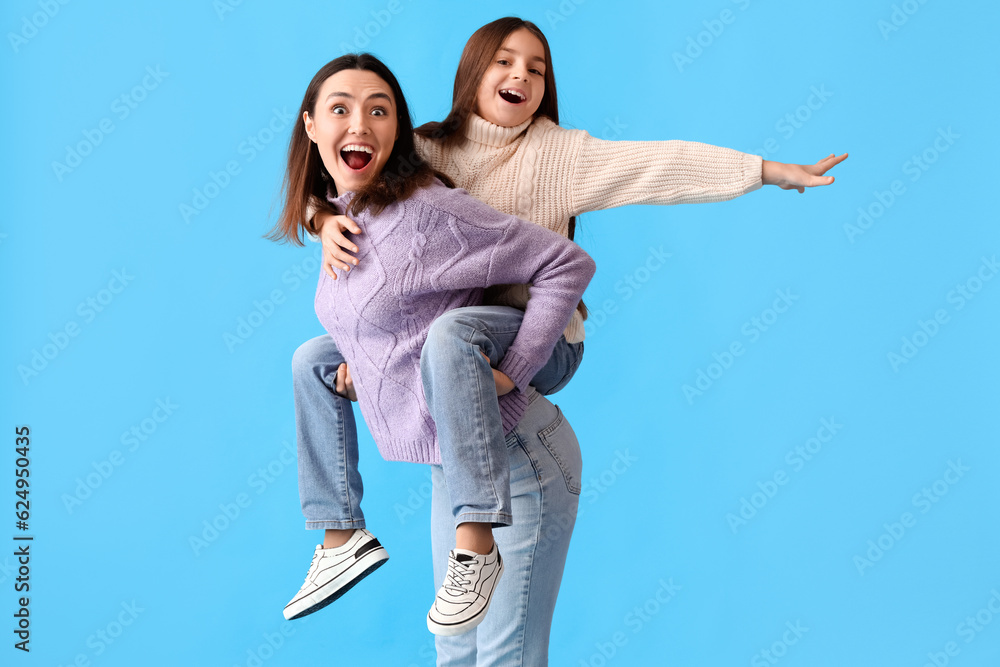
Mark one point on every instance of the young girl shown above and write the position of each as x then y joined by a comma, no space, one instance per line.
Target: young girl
430,249
502,142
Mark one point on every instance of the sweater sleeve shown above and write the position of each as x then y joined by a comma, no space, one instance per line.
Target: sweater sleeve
607,174
557,269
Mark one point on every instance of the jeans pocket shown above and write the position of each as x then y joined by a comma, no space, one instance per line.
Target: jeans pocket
561,443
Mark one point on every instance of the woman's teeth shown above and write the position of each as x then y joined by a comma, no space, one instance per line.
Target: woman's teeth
356,156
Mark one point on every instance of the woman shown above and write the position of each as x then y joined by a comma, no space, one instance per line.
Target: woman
430,249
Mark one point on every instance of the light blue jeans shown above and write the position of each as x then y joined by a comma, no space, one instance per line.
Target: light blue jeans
545,481
461,396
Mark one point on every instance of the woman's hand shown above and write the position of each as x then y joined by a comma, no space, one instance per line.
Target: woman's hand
335,245
345,385
504,384
799,176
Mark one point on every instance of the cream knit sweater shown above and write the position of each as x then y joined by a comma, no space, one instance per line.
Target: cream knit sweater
545,173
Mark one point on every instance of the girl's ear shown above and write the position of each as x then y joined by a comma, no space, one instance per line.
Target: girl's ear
310,126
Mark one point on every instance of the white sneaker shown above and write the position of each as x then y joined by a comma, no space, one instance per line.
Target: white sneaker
335,571
464,598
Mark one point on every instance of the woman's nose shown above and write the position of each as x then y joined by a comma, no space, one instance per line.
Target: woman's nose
359,124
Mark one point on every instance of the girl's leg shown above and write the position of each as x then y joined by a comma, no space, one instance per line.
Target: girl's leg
461,397
457,651
329,482
330,487
545,474
560,368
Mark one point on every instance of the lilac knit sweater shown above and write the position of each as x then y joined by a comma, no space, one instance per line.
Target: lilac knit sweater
421,257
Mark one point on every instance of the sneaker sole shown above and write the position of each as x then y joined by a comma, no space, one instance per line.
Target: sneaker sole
334,589
463,627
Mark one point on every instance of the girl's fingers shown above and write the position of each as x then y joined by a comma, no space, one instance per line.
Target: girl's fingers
346,223
342,241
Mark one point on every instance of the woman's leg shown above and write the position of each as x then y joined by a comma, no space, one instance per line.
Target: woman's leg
461,397
458,651
545,474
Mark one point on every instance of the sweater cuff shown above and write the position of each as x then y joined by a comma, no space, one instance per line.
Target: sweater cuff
518,369
753,172
512,407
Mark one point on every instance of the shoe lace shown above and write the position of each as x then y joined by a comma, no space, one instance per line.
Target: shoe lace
457,578
310,571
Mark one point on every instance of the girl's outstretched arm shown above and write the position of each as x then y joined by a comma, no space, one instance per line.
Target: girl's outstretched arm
799,176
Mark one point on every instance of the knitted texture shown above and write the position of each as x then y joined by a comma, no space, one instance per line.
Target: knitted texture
424,256
545,173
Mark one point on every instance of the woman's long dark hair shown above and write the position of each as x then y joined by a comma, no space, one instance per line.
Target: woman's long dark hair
306,177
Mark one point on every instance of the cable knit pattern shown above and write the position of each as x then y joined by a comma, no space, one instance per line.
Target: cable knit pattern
546,174
437,251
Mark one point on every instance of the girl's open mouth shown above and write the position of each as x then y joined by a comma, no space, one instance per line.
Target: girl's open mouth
512,96
356,156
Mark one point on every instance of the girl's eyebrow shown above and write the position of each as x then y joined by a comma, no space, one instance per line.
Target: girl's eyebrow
513,52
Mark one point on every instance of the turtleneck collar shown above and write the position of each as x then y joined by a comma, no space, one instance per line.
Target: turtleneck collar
482,131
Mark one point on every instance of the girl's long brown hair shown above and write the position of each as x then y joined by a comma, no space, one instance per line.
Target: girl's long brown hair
306,177
476,59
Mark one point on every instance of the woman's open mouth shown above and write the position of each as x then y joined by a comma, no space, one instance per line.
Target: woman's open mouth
356,156
513,96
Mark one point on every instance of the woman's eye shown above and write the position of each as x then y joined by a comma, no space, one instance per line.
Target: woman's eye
378,111
339,109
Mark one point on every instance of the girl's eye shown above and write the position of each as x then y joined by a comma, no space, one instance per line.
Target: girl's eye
339,109
535,71
378,111
503,61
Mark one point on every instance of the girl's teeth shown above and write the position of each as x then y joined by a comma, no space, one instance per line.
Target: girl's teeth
355,147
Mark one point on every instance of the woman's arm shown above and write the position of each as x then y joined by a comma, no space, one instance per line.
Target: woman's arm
557,269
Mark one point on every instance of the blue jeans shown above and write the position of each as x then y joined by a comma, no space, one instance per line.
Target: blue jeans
458,383
545,482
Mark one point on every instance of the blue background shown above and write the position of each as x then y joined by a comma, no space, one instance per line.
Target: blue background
666,471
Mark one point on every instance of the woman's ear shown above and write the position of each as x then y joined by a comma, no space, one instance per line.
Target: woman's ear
310,126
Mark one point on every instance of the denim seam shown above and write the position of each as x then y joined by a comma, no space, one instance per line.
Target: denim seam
485,517
543,436
313,524
339,407
526,590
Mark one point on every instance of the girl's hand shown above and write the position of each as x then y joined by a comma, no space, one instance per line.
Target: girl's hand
345,385
335,245
799,176
504,384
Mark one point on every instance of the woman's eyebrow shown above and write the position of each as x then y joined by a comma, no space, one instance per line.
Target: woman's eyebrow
381,96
